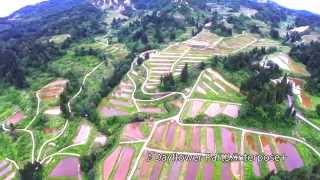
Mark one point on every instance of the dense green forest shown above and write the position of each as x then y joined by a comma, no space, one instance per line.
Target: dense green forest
310,56
26,44
300,173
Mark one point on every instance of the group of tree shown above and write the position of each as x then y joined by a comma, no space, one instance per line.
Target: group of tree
184,77
310,56
26,44
82,51
242,60
242,23
221,29
167,83
87,163
32,171
262,92
274,34
10,70
264,98
160,25
270,13
305,172
293,37
141,59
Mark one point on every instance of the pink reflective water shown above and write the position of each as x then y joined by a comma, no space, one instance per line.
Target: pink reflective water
192,170
226,173
208,171
196,139
175,170
110,162
132,131
170,134
213,110
16,118
155,174
124,164
196,106
69,167
228,141
293,159
110,112
181,138
210,140
158,133
231,110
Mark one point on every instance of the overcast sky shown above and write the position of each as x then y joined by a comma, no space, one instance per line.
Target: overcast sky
310,5
9,6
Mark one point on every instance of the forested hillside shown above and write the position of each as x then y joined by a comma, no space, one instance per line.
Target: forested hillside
26,44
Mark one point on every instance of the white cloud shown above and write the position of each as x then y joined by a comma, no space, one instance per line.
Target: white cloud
9,6
310,5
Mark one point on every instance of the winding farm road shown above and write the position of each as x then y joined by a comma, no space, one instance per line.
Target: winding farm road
82,85
60,152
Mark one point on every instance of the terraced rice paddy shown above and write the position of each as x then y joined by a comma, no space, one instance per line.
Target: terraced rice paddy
211,109
171,136
298,90
119,103
266,43
136,131
54,111
53,90
82,135
213,86
100,140
161,108
286,63
15,118
173,58
233,44
117,164
293,159
7,170
67,168
252,147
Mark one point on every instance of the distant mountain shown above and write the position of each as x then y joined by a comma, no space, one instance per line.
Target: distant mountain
111,3
44,9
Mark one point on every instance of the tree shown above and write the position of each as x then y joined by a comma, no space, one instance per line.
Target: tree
64,99
10,70
184,74
31,171
140,60
12,131
167,83
202,66
87,162
318,109
255,29
147,56
158,35
312,172
274,34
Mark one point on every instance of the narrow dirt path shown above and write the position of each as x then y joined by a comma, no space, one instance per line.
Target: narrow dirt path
82,85
67,122
37,111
